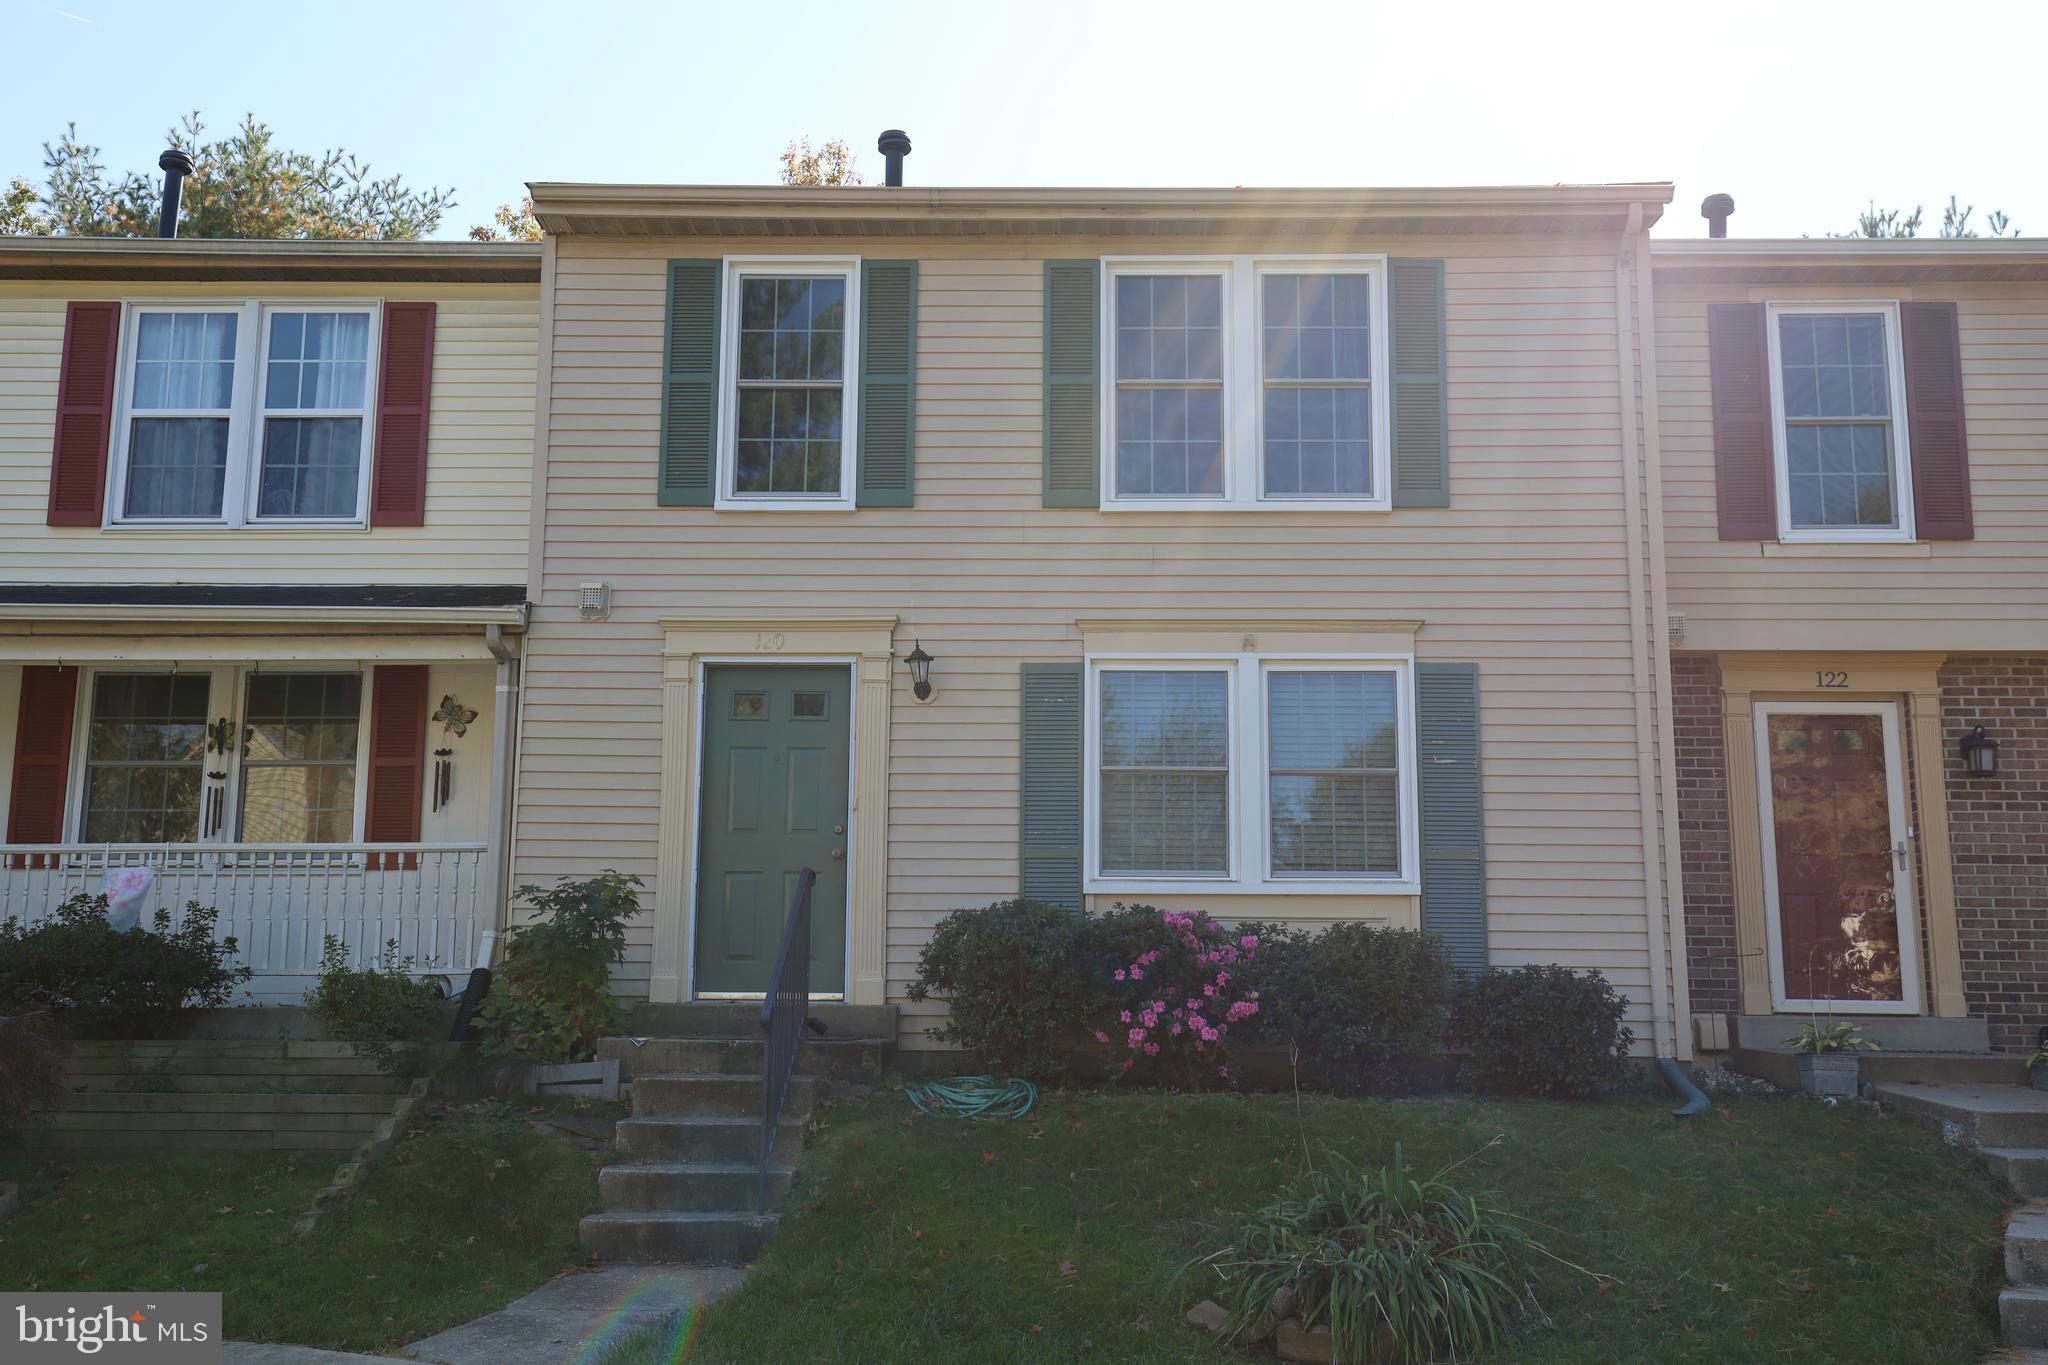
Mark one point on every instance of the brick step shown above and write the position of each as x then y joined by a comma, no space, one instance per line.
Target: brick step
2026,1245
2023,1315
669,1238
742,1019
1779,1065
2023,1168
690,1186
736,1095
709,1056
1974,1115
696,1138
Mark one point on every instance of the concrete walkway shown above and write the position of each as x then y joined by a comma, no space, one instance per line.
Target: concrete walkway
567,1321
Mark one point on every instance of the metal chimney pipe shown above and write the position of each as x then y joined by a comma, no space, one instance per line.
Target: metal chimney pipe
1715,208
894,145
176,165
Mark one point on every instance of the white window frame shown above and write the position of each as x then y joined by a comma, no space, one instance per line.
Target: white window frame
1244,380
726,495
227,695
245,417
1902,460
1250,861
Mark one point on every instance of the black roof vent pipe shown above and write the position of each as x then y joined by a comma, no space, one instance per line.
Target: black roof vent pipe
894,145
1715,208
176,165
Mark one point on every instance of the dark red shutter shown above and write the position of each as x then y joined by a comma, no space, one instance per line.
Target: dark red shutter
42,755
398,757
85,414
1745,483
405,384
1934,421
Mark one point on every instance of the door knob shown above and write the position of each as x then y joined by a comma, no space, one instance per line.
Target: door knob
839,829
837,854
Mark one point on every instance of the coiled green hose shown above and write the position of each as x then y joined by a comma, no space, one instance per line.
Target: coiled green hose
974,1097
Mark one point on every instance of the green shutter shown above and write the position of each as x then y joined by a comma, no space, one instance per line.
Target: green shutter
689,387
1049,840
888,383
1073,403
1422,451
1453,837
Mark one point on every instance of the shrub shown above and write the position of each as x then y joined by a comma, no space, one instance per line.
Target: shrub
1400,1269
382,1011
1364,1006
112,983
33,1047
1541,1030
1177,986
551,1000
1016,983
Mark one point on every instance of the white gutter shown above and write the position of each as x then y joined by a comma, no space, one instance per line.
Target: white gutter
1655,905
504,755
513,616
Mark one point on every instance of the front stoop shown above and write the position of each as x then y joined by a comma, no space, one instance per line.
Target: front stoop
2008,1126
684,1188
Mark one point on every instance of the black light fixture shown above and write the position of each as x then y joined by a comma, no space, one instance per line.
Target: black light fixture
1980,755
920,673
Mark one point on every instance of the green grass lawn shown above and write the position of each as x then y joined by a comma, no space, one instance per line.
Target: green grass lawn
1771,1230
467,1215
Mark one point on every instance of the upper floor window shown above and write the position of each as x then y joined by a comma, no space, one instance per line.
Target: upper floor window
253,413
1838,403
789,347
1246,382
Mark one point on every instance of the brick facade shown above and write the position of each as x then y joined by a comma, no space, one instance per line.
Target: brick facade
1703,834
1999,827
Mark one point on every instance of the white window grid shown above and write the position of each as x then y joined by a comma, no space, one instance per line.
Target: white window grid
1901,456
726,494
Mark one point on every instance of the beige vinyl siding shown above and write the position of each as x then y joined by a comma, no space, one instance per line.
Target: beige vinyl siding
1986,593
479,470
1525,574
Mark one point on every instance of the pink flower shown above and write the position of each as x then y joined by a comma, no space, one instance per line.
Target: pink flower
1151,1049
1224,1072
1119,973
1127,1016
1137,974
1128,1064
1208,990
1176,1030
1248,941
1136,1035
1101,1037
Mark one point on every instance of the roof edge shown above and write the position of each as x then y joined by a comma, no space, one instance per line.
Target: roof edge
227,258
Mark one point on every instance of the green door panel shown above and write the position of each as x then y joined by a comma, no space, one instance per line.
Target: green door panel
774,802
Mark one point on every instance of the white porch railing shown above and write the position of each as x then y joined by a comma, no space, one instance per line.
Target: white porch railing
279,902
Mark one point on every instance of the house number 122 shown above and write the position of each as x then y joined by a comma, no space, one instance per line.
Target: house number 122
1830,678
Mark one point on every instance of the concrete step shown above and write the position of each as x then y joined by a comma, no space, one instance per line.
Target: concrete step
2023,1168
2026,1245
676,1138
2023,1315
708,1056
738,1096
1893,1033
1779,1066
690,1186
1974,1115
668,1238
742,1019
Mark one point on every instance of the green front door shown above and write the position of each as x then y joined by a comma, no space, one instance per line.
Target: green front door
775,797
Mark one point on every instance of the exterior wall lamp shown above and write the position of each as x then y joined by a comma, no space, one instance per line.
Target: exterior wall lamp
920,673
1980,755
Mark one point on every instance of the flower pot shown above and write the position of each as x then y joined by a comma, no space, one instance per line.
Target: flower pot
2039,1076
1828,1073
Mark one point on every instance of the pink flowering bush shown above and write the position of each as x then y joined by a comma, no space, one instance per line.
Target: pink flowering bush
1178,985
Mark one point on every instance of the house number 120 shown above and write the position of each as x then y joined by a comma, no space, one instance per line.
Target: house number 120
1830,678
768,640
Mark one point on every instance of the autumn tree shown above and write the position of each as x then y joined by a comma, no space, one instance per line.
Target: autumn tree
242,185
509,225
828,164
1955,222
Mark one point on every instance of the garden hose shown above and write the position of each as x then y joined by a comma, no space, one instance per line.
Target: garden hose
974,1097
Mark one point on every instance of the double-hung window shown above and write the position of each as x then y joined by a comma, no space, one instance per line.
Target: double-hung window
1251,773
1246,382
244,414
1838,408
145,745
789,359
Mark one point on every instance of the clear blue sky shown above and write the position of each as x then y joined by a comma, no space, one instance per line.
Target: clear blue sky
1801,110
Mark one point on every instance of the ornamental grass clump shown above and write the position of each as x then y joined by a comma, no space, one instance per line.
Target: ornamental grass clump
1399,1269
1177,984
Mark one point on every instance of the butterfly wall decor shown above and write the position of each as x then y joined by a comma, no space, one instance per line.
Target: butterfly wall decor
454,716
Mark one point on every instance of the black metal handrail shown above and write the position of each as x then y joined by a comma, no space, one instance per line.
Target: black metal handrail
783,1016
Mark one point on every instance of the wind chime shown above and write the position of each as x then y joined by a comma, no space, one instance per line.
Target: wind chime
455,719
219,736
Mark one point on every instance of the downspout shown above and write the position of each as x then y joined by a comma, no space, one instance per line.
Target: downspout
504,750
1662,1029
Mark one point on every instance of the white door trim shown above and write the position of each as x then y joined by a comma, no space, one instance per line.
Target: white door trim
1906,904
